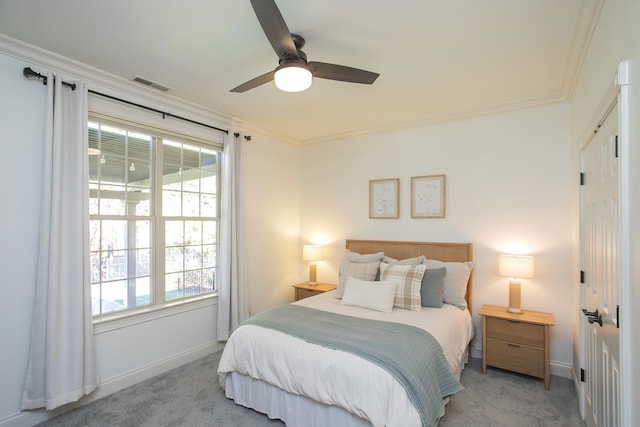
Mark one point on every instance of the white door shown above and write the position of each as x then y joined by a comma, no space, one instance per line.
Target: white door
600,220
628,79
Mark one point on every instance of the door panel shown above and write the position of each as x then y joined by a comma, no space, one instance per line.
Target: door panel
601,264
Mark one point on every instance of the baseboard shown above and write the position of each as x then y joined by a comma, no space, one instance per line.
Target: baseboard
114,384
560,369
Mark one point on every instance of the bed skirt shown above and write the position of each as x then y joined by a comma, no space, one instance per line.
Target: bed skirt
294,410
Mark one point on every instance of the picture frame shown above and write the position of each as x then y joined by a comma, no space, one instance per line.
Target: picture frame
384,198
428,196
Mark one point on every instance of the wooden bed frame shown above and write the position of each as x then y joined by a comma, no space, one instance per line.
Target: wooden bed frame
448,252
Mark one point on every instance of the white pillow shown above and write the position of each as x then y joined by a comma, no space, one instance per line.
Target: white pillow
359,270
409,278
455,281
372,295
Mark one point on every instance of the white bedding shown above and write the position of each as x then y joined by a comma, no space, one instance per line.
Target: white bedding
339,378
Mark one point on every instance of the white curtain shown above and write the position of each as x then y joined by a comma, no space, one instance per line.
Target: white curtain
62,366
232,287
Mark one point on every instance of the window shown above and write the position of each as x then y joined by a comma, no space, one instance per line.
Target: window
154,215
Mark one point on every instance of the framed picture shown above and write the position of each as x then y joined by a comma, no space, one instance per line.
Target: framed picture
428,196
384,198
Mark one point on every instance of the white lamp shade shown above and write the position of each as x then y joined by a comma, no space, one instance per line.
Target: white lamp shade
515,266
312,252
292,78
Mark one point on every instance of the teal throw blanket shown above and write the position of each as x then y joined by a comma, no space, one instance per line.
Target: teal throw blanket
411,355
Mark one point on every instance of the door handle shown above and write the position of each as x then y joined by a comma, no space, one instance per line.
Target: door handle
592,319
593,316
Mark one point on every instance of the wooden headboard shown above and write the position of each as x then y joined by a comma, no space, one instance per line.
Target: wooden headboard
459,252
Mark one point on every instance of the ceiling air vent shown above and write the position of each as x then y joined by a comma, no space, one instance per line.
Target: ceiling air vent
151,84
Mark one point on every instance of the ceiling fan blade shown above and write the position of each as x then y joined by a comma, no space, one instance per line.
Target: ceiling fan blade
275,28
342,73
258,81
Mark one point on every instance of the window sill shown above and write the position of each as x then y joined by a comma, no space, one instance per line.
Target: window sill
127,318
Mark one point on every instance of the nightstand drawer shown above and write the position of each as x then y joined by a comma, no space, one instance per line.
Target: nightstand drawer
515,332
517,358
305,290
304,293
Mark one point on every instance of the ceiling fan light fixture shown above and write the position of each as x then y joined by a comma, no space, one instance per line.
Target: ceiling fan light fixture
294,73
292,77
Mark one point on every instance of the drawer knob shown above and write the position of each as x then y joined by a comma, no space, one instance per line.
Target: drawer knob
513,345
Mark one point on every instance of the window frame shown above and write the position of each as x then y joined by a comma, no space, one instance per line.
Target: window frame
135,119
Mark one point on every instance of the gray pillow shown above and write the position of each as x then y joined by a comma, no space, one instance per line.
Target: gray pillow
356,257
408,261
432,288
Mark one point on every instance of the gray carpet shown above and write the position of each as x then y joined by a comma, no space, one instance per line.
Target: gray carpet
190,396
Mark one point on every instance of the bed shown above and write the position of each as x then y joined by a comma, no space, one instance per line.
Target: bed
300,378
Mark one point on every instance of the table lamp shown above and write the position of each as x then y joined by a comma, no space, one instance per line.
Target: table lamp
516,267
312,253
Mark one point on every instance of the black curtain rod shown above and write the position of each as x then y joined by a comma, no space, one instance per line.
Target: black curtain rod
163,113
29,73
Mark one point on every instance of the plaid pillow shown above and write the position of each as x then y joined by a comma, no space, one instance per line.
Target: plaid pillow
409,278
363,271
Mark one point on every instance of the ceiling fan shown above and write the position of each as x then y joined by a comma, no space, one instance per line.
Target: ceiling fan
294,73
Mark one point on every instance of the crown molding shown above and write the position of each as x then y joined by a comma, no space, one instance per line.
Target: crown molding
583,34
107,83
467,115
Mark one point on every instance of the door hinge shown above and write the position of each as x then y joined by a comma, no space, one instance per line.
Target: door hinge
616,147
581,178
581,375
618,316
582,276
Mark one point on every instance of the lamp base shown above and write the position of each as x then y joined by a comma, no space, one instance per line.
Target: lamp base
514,297
312,274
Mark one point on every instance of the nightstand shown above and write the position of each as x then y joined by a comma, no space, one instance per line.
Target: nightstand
304,289
516,342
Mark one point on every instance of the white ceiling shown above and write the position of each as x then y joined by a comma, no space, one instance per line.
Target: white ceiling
437,59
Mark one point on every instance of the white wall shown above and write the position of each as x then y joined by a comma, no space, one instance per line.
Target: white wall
508,188
272,208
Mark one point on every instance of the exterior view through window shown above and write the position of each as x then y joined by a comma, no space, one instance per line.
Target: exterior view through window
154,213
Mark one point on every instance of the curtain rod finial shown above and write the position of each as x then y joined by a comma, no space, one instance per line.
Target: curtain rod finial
29,73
